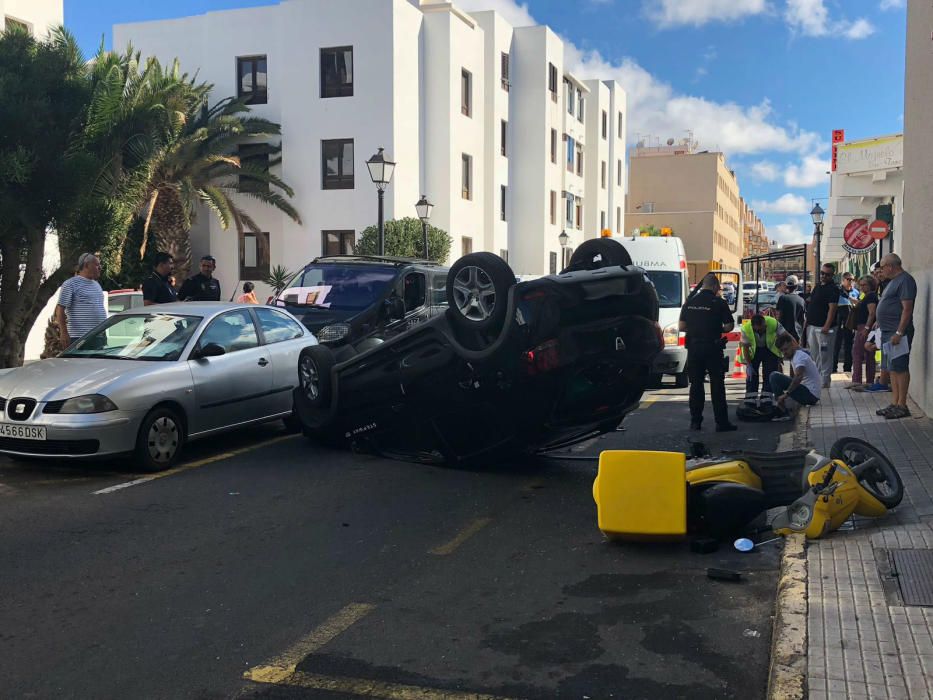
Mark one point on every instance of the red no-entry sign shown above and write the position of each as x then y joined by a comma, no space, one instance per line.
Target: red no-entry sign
879,229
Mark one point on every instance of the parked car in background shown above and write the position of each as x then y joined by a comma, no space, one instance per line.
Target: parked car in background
146,381
765,304
504,369
750,288
120,300
352,303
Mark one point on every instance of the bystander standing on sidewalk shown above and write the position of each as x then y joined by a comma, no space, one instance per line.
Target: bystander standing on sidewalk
820,333
844,330
81,301
790,308
803,387
864,318
883,382
895,320
156,287
248,296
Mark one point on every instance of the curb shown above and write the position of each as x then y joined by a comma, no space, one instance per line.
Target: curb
787,675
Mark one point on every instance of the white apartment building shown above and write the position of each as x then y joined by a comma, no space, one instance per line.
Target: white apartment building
479,116
37,16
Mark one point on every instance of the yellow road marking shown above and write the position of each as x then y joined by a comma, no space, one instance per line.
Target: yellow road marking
377,689
187,466
279,669
461,537
644,403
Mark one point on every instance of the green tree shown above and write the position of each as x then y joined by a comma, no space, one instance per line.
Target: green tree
404,238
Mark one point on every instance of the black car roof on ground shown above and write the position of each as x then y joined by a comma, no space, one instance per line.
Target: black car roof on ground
377,260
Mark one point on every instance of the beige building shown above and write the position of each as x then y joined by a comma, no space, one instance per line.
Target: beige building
914,243
695,194
754,239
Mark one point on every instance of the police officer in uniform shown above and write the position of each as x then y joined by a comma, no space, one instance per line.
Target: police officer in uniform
704,318
202,286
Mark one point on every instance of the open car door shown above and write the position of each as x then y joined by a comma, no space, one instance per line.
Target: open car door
737,306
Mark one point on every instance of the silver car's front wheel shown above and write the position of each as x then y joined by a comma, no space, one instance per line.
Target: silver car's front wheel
160,440
474,293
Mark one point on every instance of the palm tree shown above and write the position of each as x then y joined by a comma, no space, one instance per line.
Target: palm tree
198,164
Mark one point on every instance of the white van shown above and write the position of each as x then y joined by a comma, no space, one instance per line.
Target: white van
665,261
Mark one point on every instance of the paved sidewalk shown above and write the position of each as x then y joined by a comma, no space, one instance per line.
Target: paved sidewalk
863,642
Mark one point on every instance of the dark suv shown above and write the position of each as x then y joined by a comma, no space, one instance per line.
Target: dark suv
353,303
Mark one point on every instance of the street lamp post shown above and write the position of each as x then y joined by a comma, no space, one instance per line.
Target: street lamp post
564,241
381,171
424,207
817,215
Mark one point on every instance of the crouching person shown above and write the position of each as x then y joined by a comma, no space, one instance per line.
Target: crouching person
803,387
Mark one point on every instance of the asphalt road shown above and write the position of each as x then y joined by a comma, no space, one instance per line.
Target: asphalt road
325,574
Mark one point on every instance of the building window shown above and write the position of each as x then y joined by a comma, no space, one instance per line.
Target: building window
504,254
619,125
568,199
252,79
580,104
571,149
602,172
618,219
602,221
466,93
552,81
503,132
579,214
255,157
502,191
579,160
338,242
254,255
619,172
466,245
466,177
552,264
337,72
337,164
605,125
504,79
553,145
16,24
553,207
569,99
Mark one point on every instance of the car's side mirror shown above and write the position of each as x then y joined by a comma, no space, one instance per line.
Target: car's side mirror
395,308
211,350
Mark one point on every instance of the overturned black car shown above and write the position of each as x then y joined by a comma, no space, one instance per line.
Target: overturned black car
503,368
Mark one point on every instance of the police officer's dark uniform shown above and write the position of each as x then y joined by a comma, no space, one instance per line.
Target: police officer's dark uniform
200,287
706,316
157,290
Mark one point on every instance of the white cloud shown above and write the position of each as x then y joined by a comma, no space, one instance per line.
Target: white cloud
765,171
792,204
810,172
811,18
789,233
674,13
893,4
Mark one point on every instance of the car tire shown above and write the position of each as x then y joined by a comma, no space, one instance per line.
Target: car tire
681,380
477,292
314,369
597,253
160,440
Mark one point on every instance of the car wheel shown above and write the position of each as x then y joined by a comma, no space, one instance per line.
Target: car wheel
160,439
477,291
314,367
681,380
598,252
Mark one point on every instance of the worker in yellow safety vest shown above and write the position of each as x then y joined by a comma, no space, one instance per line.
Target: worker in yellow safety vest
760,354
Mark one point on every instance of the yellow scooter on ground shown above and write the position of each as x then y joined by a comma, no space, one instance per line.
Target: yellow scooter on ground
646,495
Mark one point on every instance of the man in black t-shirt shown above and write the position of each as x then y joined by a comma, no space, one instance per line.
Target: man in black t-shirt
704,318
820,329
156,289
202,286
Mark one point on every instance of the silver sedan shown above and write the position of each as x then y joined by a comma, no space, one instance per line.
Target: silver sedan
148,380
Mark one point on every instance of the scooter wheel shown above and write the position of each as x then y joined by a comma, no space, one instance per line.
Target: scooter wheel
881,480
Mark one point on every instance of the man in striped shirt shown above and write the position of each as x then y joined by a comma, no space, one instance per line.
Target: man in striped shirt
81,301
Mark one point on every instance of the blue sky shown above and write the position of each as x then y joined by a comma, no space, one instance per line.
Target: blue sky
765,81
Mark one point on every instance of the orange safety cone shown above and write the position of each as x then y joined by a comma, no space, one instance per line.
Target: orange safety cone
738,368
